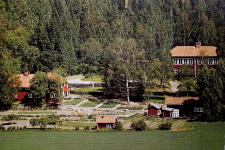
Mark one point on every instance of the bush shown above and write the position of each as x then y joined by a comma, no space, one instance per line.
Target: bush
87,128
118,126
77,128
165,126
138,126
90,116
2,128
11,128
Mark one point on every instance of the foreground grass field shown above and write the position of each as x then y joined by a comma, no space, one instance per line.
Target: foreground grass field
209,136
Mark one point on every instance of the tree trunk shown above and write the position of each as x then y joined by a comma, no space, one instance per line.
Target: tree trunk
128,94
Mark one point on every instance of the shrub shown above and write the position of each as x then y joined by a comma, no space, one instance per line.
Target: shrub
87,128
118,125
90,116
165,126
2,128
77,128
138,126
11,128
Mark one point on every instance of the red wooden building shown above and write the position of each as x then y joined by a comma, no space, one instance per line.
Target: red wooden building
162,110
193,56
155,109
188,106
25,94
105,121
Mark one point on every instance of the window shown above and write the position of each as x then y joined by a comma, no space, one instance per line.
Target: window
215,61
185,61
52,95
30,95
176,71
198,109
210,61
180,61
108,125
15,95
27,88
190,61
199,61
175,61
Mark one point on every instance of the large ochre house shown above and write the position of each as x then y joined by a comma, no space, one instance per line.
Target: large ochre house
24,92
193,56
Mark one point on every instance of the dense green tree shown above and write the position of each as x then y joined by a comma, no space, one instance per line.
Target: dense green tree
8,81
39,86
210,89
125,64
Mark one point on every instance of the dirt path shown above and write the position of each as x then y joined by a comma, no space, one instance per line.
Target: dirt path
174,85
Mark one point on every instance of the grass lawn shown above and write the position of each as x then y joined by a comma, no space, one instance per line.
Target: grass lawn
86,90
96,78
131,108
37,112
90,104
109,105
73,102
208,136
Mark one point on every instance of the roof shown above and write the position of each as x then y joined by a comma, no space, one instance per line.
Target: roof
178,100
192,51
156,105
106,119
167,108
53,75
25,80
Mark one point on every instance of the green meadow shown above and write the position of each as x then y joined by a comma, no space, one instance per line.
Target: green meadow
209,136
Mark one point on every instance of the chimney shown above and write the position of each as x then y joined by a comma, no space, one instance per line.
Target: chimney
198,44
48,72
25,73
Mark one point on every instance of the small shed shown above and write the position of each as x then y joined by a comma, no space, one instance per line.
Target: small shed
105,121
167,112
154,109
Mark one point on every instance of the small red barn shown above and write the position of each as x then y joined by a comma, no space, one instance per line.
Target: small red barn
106,121
167,112
154,109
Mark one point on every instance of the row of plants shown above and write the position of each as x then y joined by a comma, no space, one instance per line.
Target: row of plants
73,102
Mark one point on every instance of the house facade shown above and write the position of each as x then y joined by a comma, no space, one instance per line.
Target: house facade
105,121
187,106
162,110
193,56
25,94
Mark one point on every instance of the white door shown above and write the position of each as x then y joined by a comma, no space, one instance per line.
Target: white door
175,113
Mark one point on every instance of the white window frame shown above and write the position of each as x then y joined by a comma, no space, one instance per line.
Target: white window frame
29,95
180,61
176,71
190,61
175,61
108,125
27,88
198,109
52,95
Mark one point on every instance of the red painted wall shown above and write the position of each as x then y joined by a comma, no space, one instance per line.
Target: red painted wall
21,95
103,125
167,113
152,111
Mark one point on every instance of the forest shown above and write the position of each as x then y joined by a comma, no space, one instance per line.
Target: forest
106,37
76,36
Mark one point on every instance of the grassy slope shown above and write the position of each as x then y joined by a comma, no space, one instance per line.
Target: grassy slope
207,136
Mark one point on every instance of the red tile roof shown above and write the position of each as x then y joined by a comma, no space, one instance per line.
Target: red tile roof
192,51
178,100
25,80
106,119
